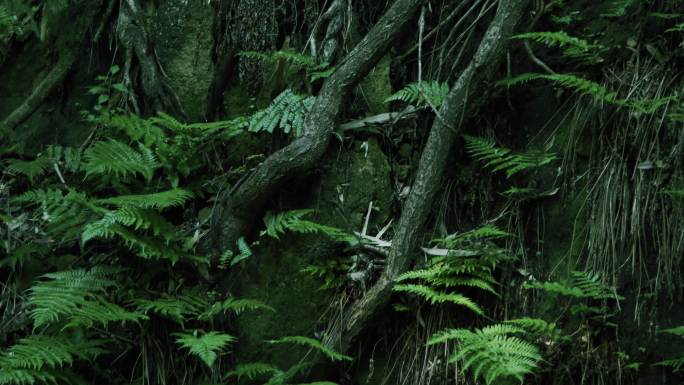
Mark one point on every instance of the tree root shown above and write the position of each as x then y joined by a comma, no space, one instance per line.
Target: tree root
430,171
53,79
132,35
238,208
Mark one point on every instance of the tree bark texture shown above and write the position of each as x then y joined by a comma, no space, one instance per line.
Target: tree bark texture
445,130
244,202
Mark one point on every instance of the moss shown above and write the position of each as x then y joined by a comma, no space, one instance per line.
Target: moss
184,42
274,274
354,179
376,87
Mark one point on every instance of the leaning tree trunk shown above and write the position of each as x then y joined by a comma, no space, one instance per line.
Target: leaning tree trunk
243,203
445,130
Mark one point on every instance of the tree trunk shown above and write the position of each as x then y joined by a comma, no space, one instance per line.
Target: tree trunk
445,130
244,202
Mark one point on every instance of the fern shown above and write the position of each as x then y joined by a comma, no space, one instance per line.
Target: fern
205,345
64,215
307,63
286,113
676,363
422,95
677,28
233,305
119,159
252,370
492,353
31,168
77,296
571,82
70,159
278,224
582,285
39,358
617,8
159,200
535,326
503,159
574,47
314,344
434,296
177,308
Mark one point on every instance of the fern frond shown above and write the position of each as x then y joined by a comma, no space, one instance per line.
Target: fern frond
205,345
76,296
278,224
119,159
234,305
493,352
29,168
176,308
534,325
678,331
503,159
252,370
160,200
37,352
286,112
314,344
434,296
424,94
574,48
70,159
568,81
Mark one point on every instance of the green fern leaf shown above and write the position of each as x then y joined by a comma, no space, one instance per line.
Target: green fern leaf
30,168
119,159
434,296
424,94
160,200
205,345
314,344
252,370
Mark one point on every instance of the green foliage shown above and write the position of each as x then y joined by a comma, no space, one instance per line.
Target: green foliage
571,82
205,345
30,168
313,70
252,370
582,285
492,353
504,159
286,113
573,47
118,158
436,297
39,358
278,224
77,298
314,344
676,363
467,261
159,200
427,93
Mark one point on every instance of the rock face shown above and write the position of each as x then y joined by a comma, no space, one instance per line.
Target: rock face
184,42
350,180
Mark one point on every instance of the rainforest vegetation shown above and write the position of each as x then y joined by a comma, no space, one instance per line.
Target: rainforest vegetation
371,192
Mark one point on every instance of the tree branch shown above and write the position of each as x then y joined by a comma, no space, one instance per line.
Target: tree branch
430,171
242,205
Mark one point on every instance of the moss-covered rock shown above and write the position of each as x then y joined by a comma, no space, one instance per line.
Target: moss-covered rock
184,42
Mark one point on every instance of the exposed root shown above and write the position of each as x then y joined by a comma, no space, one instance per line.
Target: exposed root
133,37
430,170
242,205
53,79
